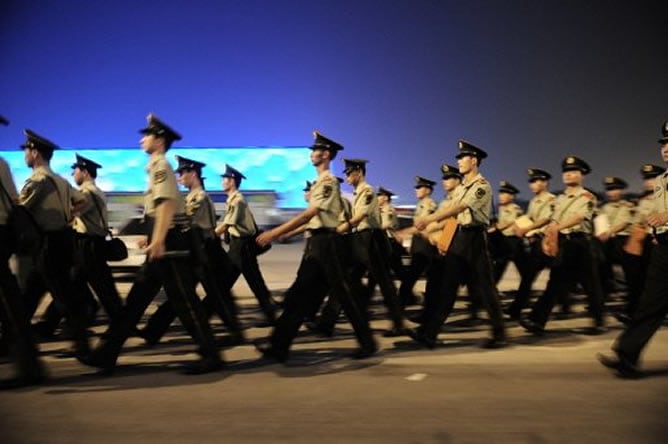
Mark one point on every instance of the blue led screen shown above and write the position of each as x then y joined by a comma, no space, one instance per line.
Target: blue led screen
283,170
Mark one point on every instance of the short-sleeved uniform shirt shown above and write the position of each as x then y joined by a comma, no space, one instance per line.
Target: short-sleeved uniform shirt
365,202
619,213
578,203
476,195
509,213
162,185
540,207
388,217
661,199
201,211
326,196
424,207
93,218
49,198
238,216
8,185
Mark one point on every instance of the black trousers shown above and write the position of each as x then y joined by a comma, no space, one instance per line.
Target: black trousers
15,323
467,261
513,251
636,272
535,261
53,271
216,273
422,253
652,307
575,263
245,262
90,266
370,252
177,277
321,263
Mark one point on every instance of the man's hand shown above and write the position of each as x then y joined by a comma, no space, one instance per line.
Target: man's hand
603,237
155,250
421,223
343,228
520,232
266,238
657,219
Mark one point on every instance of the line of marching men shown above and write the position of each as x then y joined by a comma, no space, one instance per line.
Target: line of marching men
344,242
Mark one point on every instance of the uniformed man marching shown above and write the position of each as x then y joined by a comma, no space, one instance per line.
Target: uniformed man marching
16,334
369,248
422,251
451,179
637,250
467,254
322,260
569,243
167,264
511,247
238,225
92,227
619,215
213,267
653,304
539,214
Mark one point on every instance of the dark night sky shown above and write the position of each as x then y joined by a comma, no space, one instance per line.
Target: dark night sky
396,81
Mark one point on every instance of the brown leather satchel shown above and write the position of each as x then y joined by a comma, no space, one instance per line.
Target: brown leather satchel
447,233
550,244
635,243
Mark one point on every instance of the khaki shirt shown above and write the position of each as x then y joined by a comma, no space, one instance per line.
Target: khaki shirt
540,208
93,218
508,213
200,209
618,213
661,199
49,198
326,197
238,216
477,196
580,203
388,217
347,210
366,202
162,185
425,207
644,208
7,184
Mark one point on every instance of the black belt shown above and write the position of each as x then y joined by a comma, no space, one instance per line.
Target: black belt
574,235
472,228
320,231
662,238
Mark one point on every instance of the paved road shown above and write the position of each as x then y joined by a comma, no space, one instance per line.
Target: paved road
537,391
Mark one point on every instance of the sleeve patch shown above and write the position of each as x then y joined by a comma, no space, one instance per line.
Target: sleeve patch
480,192
369,198
159,176
327,191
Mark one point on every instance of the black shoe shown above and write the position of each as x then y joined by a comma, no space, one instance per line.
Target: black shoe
43,331
320,329
22,381
98,359
150,338
418,336
623,318
493,343
513,315
395,332
623,368
207,365
365,351
270,352
532,326
409,299
417,318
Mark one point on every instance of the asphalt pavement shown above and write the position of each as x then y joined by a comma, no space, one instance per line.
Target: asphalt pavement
538,390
